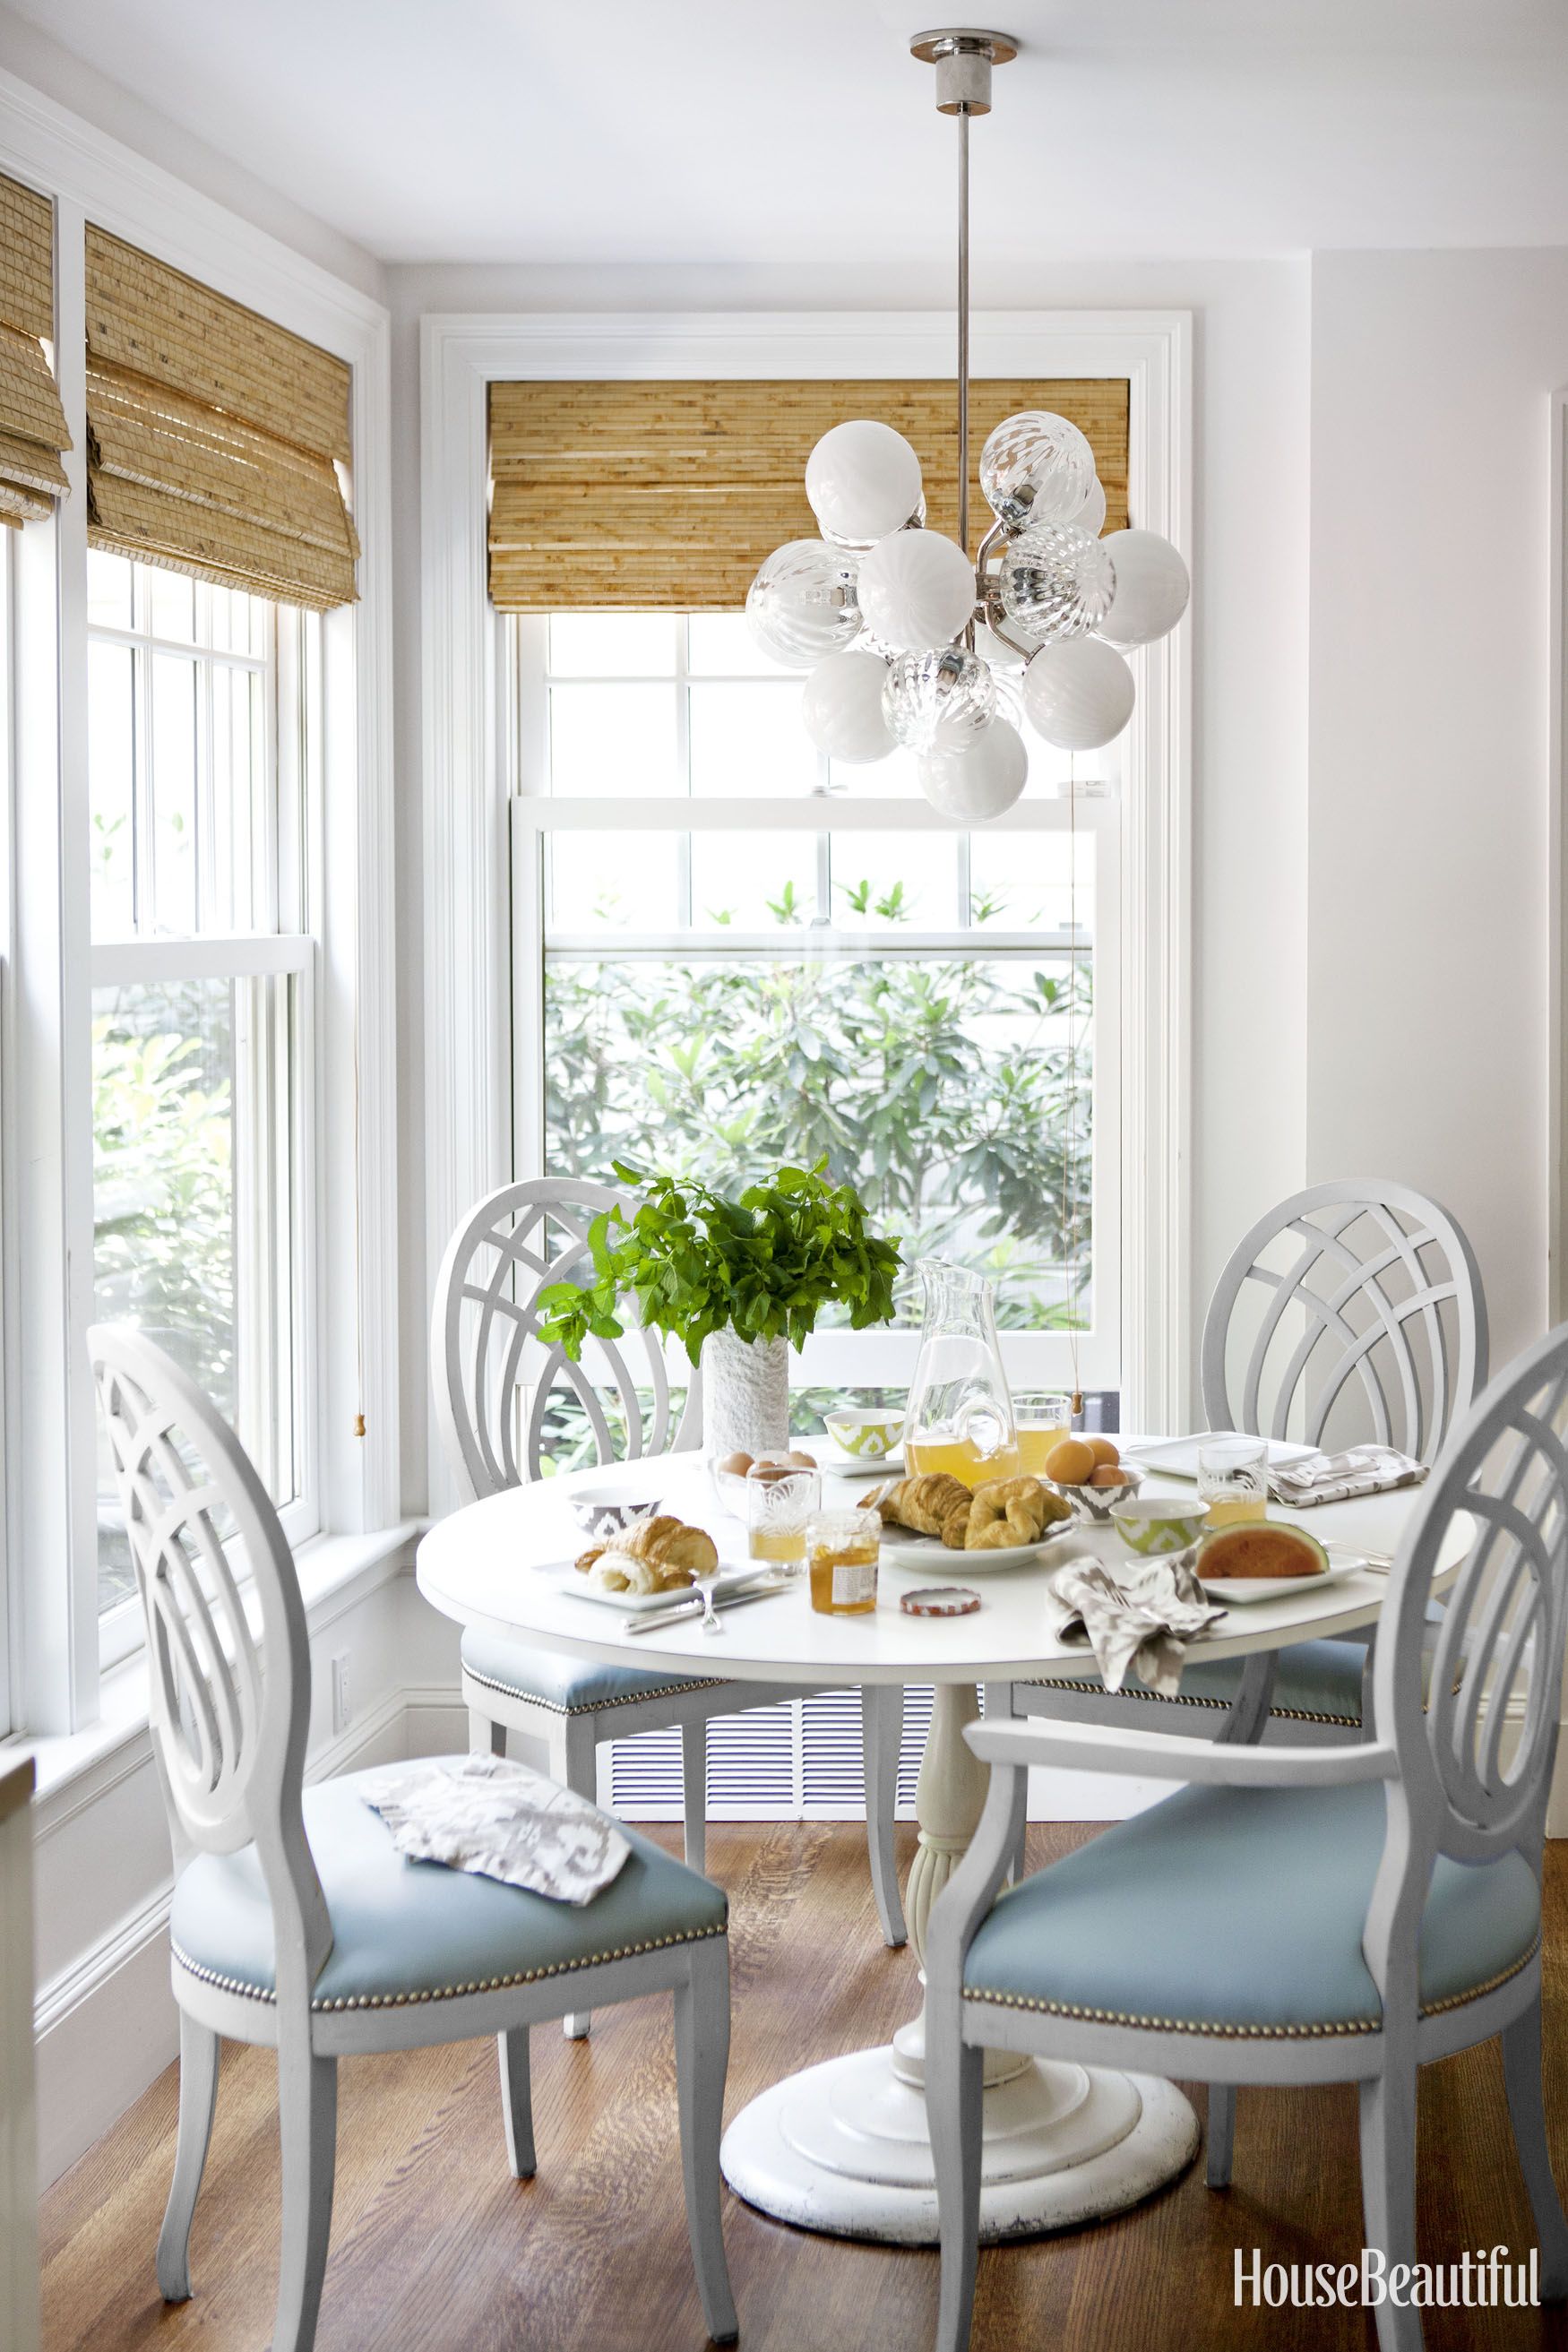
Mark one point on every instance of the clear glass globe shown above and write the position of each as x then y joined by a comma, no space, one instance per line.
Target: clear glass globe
803,604
938,701
1056,582
1036,468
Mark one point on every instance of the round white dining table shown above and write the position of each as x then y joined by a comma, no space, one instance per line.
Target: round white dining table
842,2146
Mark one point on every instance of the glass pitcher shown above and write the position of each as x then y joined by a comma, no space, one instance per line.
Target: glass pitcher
960,1414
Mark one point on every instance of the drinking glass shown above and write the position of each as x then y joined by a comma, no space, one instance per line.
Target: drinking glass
1233,1480
1044,1417
779,1502
843,1548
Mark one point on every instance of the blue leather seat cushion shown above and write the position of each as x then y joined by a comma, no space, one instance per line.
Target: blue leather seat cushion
569,1683
1242,1910
1321,1679
417,1929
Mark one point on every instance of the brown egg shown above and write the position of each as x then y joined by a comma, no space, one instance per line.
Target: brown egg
801,1461
1108,1474
1103,1451
1071,1463
736,1465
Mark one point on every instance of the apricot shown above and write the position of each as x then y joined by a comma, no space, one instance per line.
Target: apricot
1103,1451
1071,1463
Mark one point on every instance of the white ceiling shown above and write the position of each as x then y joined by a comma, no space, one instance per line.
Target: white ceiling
778,131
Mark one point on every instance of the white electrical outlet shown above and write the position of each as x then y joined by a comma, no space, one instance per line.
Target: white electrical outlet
343,1710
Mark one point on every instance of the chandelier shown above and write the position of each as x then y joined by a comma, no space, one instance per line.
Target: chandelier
914,643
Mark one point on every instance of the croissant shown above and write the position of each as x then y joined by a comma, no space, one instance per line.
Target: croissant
651,1556
1009,1511
924,1504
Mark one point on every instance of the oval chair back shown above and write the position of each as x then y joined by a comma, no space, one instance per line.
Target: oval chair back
498,1384
229,1711
1354,1310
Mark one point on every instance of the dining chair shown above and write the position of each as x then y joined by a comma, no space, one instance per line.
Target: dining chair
296,1924
1308,1913
1353,1311
497,1386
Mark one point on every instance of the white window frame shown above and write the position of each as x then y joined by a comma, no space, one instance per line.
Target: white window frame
468,760
50,1427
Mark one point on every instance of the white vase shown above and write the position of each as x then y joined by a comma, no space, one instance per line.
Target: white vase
745,1395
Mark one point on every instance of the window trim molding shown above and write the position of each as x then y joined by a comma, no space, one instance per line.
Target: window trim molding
467,1044
89,174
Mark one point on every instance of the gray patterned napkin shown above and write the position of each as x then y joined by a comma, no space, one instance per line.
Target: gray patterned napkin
1144,1618
485,1815
1336,1477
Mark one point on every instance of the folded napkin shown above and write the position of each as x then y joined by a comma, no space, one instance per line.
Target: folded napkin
485,1815
1335,1477
1142,1618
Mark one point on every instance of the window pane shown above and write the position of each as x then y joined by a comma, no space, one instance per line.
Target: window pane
748,741
615,881
610,741
721,645
111,782
938,1086
612,644
1023,881
236,784
895,778
109,582
171,603
174,792
195,1147
752,881
895,879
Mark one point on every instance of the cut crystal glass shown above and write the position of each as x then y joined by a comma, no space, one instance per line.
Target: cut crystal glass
1036,468
1056,582
940,700
803,602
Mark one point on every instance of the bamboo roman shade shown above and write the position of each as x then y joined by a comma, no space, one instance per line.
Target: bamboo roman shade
32,421
212,435
651,496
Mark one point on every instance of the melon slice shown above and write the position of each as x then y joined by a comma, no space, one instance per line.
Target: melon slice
1260,1548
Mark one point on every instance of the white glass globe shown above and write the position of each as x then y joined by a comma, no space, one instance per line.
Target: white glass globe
941,697
863,480
1152,588
1036,468
1078,693
841,703
1056,581
916,590
802,604
1090,516
980,781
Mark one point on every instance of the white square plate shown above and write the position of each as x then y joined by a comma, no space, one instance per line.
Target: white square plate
1177,1457
1235,1591
636,1604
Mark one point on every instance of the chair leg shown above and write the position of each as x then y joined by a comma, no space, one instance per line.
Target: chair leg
1220,2138
954,2085
702,2058
198,2097
306,2123
999,1706
1527,2112
517,2101
574,1760
1388,2191
694,1791
485,1737
881,1736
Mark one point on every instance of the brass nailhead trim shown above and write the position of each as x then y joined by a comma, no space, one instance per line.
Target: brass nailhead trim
1285,1714
446,1992
598,1706
1242,2032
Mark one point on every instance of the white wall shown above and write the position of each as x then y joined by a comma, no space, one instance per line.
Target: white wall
1426,949
1249,615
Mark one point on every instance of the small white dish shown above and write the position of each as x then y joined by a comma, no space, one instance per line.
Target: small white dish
836,1463
927,1553
1177,1457
1236,1592
636,1604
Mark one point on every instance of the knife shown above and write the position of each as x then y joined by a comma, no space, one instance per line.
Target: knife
651,1620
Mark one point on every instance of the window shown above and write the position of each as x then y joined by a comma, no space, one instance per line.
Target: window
732,951
203,747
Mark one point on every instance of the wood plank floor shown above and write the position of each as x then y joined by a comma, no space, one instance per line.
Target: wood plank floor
435,2245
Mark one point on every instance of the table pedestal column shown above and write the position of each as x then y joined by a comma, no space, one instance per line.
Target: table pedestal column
844,2149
